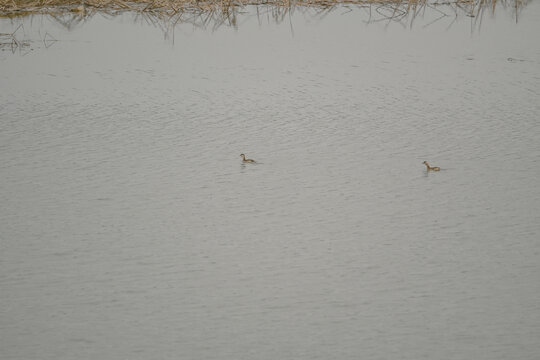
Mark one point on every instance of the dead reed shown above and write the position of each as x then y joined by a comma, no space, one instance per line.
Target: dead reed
11,41
11,8
166,14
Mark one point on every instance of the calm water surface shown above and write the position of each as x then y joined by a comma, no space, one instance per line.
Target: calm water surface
131,230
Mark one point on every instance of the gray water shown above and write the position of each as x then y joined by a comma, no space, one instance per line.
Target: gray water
130,229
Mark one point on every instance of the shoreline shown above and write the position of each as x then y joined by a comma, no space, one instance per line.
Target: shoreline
19,8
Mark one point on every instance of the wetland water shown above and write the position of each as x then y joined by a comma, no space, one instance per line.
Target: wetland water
131,230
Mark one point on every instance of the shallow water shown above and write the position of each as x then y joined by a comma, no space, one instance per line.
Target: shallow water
131,230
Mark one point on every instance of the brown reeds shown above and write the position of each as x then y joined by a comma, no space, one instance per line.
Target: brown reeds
16,7
218,12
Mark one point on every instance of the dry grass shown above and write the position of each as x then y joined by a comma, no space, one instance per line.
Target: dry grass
12,8
166,14
215,13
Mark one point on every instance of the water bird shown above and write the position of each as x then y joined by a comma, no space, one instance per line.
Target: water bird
244,160
434,168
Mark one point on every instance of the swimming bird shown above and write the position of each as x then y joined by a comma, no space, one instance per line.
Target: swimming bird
434,168
244,160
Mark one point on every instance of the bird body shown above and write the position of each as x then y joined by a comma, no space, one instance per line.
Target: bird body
244,160
430,168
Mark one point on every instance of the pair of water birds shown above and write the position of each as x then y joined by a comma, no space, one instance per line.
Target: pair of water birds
429,168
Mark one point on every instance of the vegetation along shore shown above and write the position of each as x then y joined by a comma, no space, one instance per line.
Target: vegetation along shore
14,8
